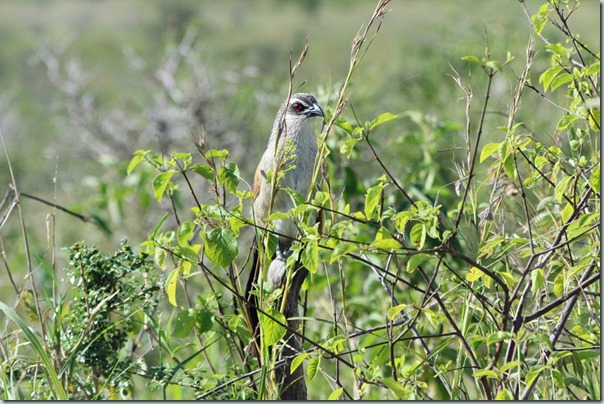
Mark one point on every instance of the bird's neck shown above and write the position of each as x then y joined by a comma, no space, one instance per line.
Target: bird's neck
295,130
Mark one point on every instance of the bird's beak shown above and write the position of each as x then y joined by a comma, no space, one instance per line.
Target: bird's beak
314,110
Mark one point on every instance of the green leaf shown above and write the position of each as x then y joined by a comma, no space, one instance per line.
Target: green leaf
385,117
498,336
335,394
136,160
310,256
401,220
203,321
344,124
205,171
494,65
347,147
415,261
296,197
313,367
184,233
158,226
170,286
488,150
472,59
189,254
160,257
509,167
387,244
510,365
418,235
372,199
558,49
490,374
185,321
504,395
560,80
561,188
540,18
321,198
474,274
566,121
228,175
160,182
488,248
558,379
221,246
48,367
504,150
297,361
277,216
548,200
538,279
533,373
559,284
594,178
341,249
395,387
567,211
272,331
393,312
220,154
549,75
508,278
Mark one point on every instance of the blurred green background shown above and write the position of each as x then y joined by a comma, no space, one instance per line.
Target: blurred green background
86,83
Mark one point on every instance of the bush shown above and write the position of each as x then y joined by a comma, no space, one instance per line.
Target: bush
476,279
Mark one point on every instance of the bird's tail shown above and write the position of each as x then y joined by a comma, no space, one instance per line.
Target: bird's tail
251,298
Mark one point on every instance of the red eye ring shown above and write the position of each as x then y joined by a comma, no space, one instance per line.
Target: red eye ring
297,106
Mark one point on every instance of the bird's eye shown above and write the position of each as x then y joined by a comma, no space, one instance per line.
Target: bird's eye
297,106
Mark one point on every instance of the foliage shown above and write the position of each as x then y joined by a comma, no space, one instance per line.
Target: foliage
474,280
88,331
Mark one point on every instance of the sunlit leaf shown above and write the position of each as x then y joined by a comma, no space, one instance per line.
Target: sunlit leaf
395,387
385,117
310,256
387,244
474,274
341,249
372,199
393,312
221,246
205,171
415,261
184,233
488,150
228,175
472,59
559,285
160,183
297,361
313,367
136,160
272,331
170,286
418,235
335,394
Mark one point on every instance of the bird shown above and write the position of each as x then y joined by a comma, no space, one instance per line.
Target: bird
287,162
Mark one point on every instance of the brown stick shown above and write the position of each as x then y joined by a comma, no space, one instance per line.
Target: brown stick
292,385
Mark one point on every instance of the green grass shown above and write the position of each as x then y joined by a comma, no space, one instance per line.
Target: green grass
241,53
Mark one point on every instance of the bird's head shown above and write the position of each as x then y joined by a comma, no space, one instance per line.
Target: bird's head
303,106
299,111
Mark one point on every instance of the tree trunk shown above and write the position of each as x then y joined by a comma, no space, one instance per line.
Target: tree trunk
292,386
